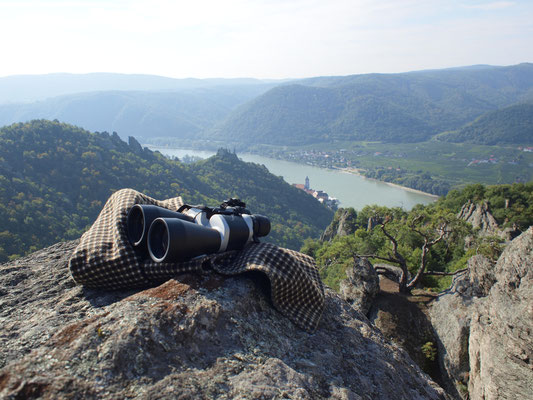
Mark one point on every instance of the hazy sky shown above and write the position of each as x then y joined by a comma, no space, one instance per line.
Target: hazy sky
260,38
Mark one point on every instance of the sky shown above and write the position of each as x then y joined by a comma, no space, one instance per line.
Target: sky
259,38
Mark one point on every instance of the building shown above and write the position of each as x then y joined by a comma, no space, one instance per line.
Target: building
320,195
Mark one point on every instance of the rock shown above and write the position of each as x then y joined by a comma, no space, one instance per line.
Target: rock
134,145
403,322
192,337
451,319
501,332
479,216
373,222
344,223
481,276
392,272
361,286
510,233
451,314
484,323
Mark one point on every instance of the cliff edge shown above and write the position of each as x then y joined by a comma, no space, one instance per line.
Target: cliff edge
484,324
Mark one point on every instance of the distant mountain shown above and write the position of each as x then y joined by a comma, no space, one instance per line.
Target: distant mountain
405,107
55,178
396,108
145,115
27,88
509,125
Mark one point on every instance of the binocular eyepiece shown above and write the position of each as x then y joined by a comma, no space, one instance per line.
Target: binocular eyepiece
170,236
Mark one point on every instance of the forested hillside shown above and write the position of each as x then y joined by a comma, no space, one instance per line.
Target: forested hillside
511,206
146,115
55,178
408,107
395,108
510,125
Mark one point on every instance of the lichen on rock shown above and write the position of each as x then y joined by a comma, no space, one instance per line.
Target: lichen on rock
484,324
196,336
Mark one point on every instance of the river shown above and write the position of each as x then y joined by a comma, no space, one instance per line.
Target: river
350,189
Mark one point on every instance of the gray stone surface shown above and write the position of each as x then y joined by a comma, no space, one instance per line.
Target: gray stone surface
484,324
344,223
451,314
501,332
190,338
361,285
393,272
479,216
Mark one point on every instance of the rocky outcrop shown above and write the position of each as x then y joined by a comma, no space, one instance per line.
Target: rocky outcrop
373,222
361,285
451,315
479,216
484,324
135,146
511,232
344,223
501,332
192,337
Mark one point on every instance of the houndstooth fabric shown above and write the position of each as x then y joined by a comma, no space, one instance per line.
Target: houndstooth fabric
105,259
296,288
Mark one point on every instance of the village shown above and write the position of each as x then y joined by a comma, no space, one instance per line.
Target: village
320,195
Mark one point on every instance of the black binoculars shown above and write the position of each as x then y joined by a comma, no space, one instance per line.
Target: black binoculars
174,236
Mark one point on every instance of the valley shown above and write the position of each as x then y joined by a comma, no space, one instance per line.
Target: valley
433,167
346,187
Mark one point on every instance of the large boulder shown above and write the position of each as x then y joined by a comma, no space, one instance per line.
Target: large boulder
361,285
192,337
484,324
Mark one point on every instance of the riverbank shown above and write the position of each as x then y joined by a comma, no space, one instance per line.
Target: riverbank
352,190
355,171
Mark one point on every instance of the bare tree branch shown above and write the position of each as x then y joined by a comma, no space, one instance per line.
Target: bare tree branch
394,242
438,273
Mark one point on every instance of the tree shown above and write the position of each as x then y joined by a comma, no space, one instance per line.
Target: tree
418,229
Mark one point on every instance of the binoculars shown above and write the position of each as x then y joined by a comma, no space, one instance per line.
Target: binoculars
174,236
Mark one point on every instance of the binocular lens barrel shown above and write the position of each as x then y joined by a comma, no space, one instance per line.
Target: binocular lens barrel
141,216
175,240
261,225
169,236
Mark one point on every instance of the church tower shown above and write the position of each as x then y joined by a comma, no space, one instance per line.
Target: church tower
306,186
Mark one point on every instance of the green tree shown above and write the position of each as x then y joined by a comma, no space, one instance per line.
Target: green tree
414,236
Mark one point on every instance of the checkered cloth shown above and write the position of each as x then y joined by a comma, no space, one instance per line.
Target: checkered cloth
105,259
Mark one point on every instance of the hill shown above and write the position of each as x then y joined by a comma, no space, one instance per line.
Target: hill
27,88
510,125
55,178
145,115
407,107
